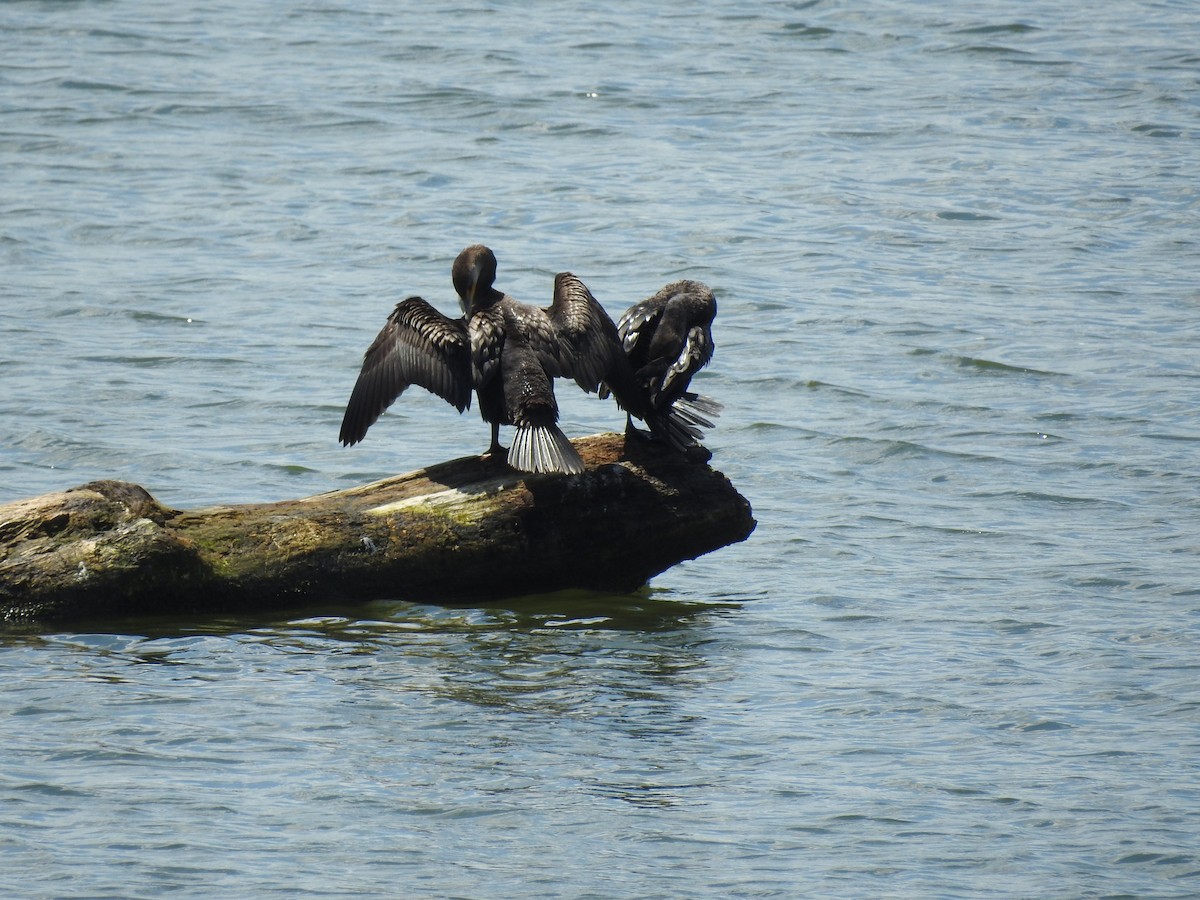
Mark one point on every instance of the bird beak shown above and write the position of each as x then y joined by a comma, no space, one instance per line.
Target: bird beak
473,282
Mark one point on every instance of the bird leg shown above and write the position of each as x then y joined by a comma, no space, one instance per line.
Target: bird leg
632,431
495,449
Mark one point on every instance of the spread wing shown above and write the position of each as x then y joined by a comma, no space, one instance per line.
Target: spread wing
588,344
420,346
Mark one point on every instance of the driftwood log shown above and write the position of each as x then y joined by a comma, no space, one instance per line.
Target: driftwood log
463,530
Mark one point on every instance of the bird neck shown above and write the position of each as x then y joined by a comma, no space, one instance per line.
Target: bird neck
485,298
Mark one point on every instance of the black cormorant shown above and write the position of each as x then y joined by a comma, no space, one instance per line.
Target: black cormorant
509,352
667,338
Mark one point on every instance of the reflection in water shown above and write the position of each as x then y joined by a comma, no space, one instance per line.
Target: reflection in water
620,659
448,712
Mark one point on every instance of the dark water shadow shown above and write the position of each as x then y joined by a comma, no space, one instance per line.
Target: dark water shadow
647,609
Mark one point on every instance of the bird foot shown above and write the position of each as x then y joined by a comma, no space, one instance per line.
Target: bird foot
632,432
495,454
695,453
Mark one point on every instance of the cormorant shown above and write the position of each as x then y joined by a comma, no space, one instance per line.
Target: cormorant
667,338
509,352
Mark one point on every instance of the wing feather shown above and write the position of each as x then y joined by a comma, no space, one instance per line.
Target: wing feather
487,332
418,345
697,351
587,339
635,321
537,329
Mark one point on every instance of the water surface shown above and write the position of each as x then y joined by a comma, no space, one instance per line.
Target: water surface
954,252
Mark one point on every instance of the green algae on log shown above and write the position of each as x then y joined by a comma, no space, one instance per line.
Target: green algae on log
468,529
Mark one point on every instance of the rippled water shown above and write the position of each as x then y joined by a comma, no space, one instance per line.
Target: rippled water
954,248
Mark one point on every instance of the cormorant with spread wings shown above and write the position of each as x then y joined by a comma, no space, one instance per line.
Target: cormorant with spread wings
508,352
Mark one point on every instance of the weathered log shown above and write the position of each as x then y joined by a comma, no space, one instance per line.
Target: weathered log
463,530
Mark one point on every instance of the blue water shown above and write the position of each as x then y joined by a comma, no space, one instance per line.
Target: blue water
954,247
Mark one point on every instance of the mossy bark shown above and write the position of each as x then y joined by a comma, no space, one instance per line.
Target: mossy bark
463,530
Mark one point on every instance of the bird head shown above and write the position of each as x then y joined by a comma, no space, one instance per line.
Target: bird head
474,273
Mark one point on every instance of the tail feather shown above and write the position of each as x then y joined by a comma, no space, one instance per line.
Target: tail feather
543,449
698,410
675,430
706,405
681,424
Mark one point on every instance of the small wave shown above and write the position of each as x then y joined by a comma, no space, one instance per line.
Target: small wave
1163,131
1047,725
1162,436
75,84
141,315
956,216
992,366
290,469
1156,858
984,50
1007,28
1042,497
142,362
804,30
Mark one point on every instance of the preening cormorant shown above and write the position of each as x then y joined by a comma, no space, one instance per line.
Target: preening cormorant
667,338
508,352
